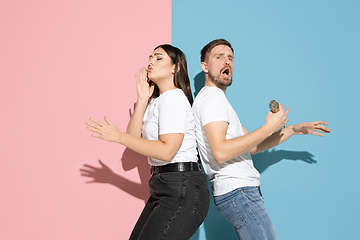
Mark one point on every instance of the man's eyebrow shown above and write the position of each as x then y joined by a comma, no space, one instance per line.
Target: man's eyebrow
222,53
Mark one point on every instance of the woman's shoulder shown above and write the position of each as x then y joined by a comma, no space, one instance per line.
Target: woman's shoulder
173,94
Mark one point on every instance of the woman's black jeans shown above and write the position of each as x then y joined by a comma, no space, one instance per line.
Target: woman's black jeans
178,204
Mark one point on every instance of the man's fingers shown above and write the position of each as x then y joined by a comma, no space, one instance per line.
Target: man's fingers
287,112
321,122
322,128
318,134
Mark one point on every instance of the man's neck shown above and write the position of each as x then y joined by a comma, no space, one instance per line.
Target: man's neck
210,83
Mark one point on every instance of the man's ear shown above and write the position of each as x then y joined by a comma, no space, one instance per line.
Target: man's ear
204,67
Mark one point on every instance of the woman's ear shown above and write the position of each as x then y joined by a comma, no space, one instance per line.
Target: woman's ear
178,69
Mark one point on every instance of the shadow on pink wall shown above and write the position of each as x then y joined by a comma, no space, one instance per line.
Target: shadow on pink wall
130,160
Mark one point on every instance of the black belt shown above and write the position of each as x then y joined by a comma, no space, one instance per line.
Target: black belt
176,167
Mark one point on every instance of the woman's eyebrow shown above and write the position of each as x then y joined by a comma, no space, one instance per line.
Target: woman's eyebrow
155,54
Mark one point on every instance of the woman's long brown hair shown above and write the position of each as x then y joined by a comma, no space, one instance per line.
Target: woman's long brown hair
181,77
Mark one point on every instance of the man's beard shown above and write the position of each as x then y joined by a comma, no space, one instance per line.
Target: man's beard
219,82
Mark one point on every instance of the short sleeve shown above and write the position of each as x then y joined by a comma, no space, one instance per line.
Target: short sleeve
213,107
173,107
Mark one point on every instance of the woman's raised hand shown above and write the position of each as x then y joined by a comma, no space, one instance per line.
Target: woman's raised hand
144,90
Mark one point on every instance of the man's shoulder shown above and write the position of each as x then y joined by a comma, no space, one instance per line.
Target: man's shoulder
209,93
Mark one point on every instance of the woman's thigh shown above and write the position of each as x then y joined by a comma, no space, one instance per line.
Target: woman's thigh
180,204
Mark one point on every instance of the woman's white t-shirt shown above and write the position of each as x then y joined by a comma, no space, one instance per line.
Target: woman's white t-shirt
171,113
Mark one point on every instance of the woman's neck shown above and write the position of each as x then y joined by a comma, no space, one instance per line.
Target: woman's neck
166,85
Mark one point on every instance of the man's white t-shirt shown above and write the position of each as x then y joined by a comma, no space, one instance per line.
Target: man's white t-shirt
211,105
171,113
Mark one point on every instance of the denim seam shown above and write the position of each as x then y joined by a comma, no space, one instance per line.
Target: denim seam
259,223
240,217
242,195
183,190
196,211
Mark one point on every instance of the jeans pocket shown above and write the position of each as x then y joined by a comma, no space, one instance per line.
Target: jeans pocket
252,195
171,177
230,212
202,201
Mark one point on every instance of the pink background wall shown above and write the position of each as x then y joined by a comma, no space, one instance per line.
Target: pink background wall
62,62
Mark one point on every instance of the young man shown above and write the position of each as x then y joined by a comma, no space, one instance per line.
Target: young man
225,146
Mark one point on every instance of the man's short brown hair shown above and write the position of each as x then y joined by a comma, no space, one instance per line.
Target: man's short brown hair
208,47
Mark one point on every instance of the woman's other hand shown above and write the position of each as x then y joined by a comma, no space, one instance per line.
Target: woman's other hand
106,131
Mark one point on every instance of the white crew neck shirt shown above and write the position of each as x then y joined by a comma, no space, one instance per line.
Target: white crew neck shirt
171,113
211,105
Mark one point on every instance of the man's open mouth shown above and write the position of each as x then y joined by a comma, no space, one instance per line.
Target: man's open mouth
226,72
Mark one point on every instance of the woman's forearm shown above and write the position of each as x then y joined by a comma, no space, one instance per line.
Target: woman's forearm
163,149
136,121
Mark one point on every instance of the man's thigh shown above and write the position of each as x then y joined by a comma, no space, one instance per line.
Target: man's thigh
244,208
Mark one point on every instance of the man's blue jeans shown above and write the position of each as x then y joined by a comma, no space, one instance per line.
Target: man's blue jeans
244,208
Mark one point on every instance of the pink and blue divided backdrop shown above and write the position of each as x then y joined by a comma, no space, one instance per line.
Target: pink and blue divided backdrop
62,62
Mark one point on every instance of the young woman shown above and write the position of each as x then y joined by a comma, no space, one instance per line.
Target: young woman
162,128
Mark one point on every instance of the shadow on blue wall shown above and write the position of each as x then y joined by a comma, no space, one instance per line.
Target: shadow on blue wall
199,82
215,226
269,157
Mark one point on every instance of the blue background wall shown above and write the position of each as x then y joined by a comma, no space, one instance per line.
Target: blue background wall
306,55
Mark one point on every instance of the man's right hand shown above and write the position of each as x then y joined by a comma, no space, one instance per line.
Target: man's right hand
275,121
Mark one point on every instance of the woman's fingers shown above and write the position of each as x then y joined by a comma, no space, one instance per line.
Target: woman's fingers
97,122
95,130
92,125
143,74
97,136
107,120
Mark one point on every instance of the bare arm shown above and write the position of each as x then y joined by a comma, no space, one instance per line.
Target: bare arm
315,128
163,149
144,92
224,149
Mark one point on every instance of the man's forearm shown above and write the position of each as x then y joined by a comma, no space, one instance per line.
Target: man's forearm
231,148
275,139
